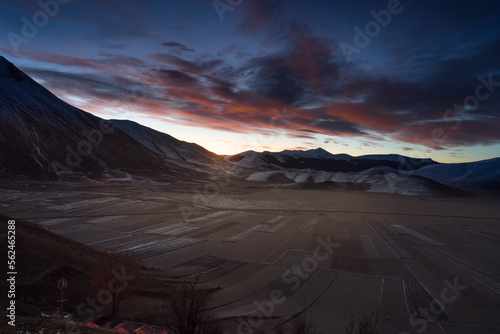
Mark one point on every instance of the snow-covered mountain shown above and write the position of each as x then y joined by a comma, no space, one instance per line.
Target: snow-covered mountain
317,153
381,173
379,179
480,176
398,159
43,136
322,160
167,146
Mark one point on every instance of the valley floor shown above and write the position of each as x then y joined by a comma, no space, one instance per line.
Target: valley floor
426,264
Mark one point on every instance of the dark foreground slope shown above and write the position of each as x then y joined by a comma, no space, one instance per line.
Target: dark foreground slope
43,258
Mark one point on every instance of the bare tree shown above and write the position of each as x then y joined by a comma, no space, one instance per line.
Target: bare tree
187,311
104,276
300,324
365,325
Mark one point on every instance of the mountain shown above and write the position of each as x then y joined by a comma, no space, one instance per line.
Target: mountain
44,137
391,173
480,176
379,179
167,146
317,153
322,160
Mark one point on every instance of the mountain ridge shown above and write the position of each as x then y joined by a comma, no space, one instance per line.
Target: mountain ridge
44,137
320,159
168,146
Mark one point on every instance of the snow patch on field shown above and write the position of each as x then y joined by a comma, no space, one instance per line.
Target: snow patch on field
54,221
157,246
274,224
228,202
309,225
102,220
173,228
414,235
81,204
242,235
261,176
210,216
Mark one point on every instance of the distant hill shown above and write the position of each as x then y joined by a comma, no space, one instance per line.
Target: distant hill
320,159
391,173
480,176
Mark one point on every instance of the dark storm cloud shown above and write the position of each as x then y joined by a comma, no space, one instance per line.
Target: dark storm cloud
177,46
335,127
109,88
272,79
308,68
180,63
105,62
176,78
259,13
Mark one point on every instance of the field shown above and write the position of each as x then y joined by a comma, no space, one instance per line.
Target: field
425,264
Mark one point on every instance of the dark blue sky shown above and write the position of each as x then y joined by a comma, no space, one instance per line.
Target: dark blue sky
361,77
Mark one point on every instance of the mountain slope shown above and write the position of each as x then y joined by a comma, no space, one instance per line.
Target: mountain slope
379,179
480,176
44,137
167,146
43,257
319,159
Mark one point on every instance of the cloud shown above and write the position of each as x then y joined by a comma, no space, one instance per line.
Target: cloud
299,148
371,144
177,47
87,85
258,13
307,72
301,136
180,63
441,134
305,75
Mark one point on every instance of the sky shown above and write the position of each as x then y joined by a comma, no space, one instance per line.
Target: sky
418,78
